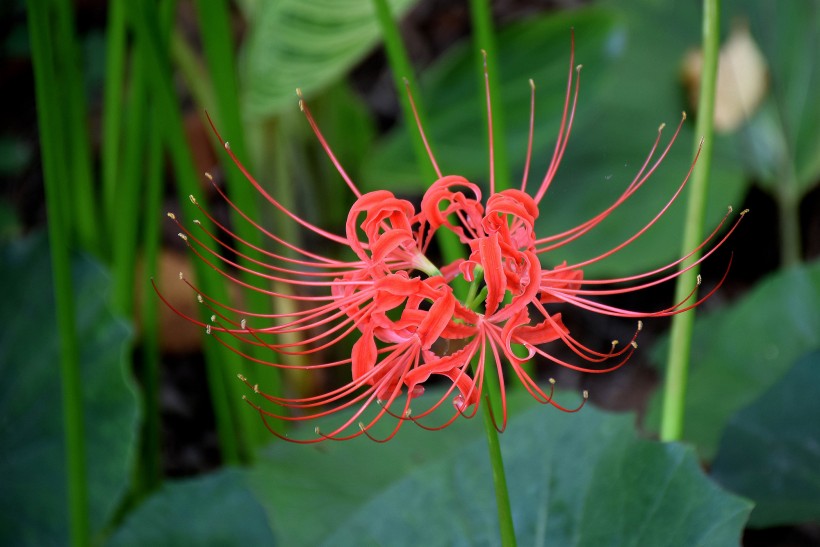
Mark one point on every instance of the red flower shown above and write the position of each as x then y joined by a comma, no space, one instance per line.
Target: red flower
406,320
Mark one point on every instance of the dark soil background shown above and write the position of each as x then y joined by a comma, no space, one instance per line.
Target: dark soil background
189,440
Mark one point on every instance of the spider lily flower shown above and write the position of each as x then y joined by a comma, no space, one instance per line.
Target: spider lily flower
407,326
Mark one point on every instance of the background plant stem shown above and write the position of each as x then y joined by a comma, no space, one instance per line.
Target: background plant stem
55,174
674,400
484,40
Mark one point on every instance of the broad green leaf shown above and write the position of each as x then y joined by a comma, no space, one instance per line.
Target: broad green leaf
33,500
783,138
770,451
629,85
574,479
741,351
292,43
330,481
217,509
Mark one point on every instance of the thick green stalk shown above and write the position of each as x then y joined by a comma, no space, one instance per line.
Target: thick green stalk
485,44
219,361
55,171
674,401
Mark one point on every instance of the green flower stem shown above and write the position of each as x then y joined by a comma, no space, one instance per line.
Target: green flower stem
55,172
674,400
403,77
492,390
484,41
219,361
502,497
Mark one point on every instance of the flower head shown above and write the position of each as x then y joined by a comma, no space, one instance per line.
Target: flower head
407,325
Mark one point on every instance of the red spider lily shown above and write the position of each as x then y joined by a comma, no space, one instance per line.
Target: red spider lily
406,320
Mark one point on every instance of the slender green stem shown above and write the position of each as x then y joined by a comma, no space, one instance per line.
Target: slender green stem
55,171
126,222
485,44
112,107
151,472
502,497
788,203
220,54
77,139
149,36
403,77
681,339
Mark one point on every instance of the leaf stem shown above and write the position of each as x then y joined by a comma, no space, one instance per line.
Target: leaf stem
674,400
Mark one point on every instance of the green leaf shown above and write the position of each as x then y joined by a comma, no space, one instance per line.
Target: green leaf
771,449
218,509
783,136
33,499
308,45
629,85
575,479
742,350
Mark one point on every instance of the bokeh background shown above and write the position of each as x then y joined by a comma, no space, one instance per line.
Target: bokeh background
173,454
